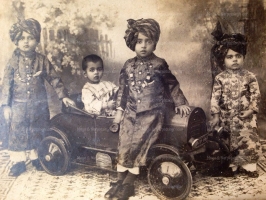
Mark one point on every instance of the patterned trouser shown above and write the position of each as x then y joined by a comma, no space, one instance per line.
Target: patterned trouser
247,145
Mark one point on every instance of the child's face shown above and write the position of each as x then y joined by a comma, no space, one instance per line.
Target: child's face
27,42
94,71
233,60
145,46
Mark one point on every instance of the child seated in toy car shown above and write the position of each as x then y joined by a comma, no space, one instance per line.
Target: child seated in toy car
98,96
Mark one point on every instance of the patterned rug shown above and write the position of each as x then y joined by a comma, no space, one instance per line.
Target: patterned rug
84,183
6,181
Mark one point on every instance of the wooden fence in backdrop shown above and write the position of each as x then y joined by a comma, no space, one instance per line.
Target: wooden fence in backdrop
90,39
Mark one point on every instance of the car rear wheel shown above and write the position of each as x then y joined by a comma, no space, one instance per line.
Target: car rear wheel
169,177
53,156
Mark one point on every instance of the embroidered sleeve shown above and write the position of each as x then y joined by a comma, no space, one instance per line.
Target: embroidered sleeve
7,87
123,89
254,94
172,86
54,79
216,96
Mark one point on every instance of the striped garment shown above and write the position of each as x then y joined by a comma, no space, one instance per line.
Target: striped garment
94,95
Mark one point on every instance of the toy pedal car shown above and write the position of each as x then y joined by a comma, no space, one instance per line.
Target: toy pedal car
76,136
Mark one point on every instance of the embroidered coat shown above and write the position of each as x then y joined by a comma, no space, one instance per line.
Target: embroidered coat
24,90
233,92
145,85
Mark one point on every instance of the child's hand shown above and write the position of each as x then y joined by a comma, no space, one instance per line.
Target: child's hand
111,104
7,113
183,110
68,101
245,114
215,121
118,116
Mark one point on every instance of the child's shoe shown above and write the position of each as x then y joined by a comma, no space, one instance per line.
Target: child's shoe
114,188
229,172
254,174
17,169
250,174
36,163
125,191
225,173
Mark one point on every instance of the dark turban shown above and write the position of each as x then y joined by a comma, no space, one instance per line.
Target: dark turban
30,26
235,41
149,27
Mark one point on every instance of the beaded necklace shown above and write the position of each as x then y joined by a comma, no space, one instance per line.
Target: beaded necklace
141,83
29,75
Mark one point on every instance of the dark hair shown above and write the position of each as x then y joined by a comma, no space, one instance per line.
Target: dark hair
91,58
236,42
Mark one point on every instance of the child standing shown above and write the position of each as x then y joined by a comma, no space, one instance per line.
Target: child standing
97,96
145,81
24,97
234,102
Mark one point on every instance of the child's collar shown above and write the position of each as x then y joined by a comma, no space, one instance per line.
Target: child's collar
93,83
235,71
30,54
149,57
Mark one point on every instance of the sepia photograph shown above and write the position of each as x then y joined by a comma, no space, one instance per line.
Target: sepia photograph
155,99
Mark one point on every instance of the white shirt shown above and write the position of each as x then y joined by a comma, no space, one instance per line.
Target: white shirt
95,95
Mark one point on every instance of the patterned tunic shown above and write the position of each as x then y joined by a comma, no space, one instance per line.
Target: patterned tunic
24,90
145,85
233,92
94,95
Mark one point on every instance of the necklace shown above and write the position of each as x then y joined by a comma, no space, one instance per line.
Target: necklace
28,76
140,84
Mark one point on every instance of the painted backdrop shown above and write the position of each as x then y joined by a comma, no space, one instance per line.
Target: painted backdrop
75,28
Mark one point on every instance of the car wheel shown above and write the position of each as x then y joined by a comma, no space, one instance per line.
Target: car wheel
169,177
53,156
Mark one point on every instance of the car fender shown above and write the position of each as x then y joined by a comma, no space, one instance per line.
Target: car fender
61,135
159,149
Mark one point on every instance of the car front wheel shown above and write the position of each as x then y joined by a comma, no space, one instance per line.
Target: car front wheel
53,156
169,177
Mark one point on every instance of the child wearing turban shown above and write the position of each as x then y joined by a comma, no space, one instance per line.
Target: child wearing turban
235,101
30,26
145,81
24,97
